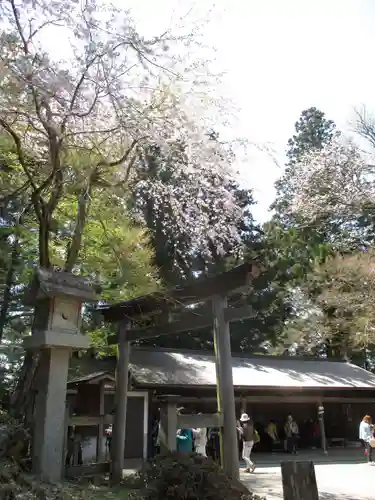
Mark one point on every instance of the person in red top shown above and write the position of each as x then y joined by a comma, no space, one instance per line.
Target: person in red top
316,435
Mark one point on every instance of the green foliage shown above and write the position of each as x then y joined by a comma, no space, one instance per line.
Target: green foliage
14,439
190,477
343,288
313,130
115,255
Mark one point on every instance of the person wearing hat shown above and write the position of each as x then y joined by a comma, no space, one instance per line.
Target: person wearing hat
247,433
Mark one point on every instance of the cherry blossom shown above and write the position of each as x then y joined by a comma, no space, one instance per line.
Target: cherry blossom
85,121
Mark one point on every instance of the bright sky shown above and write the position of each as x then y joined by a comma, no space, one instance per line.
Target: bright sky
280,57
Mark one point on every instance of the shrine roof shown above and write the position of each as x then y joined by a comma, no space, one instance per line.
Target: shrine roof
152,367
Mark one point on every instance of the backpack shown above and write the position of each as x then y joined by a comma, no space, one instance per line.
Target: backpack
256,436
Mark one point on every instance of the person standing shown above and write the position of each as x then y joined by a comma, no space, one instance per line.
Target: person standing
200,436
213,443
185,441
272,433
239,440
247,432
291,433
366,435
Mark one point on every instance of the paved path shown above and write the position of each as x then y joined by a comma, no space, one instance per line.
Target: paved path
335,481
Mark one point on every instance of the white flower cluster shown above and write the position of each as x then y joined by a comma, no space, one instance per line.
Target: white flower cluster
337,182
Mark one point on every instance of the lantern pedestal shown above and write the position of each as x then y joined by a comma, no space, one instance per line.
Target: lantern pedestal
57,298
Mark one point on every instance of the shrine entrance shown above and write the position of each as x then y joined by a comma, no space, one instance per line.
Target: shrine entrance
200,304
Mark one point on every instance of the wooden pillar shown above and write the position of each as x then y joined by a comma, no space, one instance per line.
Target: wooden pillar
121,396
171,426
243,405
163,430
320,410
100,452
299,481
225,390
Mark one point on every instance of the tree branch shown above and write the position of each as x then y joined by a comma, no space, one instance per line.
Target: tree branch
15,193
122,159
19,27
92,132
20,155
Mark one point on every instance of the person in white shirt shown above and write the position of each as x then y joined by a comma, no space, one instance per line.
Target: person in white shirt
366,435
200,439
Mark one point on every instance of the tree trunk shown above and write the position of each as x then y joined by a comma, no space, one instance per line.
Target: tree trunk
7,295
44,258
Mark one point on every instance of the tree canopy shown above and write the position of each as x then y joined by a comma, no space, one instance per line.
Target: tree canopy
326,201
110,167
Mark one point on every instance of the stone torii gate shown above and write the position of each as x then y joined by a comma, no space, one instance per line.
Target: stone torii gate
158,306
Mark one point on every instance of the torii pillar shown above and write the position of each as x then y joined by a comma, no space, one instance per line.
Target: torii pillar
225,389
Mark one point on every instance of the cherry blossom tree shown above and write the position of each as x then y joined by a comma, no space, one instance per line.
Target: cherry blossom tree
79,127
332,190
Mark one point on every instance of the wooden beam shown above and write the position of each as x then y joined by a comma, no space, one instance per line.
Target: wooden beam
225,390
199,421
320,412
90,421
188,321
275,399
235,279
233,314
121,400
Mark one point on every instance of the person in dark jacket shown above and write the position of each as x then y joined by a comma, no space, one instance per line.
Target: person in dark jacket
239,440
213,444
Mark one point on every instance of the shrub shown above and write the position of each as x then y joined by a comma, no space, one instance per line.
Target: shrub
188,477
14,438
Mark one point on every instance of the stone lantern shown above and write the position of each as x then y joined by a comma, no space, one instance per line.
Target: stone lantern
57,298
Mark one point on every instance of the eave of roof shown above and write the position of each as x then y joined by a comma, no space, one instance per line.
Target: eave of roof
196,369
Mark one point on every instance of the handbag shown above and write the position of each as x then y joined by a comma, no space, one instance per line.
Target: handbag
372,443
